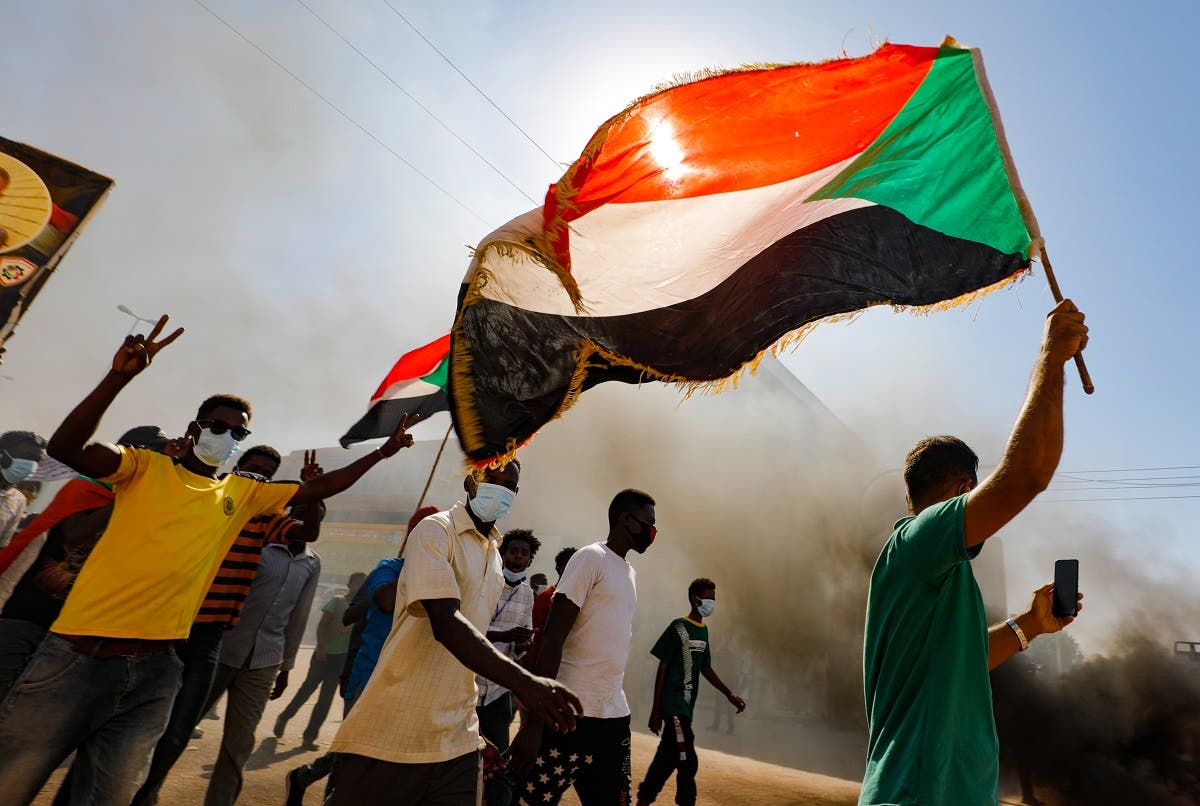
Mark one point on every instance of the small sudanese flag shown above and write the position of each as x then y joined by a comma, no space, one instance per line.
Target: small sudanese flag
415,386
711,219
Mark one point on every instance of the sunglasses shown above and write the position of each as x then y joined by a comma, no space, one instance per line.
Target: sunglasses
217,427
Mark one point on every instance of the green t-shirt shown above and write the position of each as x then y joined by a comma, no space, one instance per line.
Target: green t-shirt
683,647
339,642
925,670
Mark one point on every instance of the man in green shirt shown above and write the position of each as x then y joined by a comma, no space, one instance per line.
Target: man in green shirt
928,649
325,668
683,655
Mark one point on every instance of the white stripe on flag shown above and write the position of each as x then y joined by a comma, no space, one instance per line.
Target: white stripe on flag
412,388
629,258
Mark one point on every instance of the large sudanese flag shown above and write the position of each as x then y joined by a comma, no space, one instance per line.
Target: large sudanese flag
416,385
711,219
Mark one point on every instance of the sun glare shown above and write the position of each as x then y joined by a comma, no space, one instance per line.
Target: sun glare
666,150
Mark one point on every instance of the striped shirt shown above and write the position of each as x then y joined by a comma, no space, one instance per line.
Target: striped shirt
225,599
276,611
515,609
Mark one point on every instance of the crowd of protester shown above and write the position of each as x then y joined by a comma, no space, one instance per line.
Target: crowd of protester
154,584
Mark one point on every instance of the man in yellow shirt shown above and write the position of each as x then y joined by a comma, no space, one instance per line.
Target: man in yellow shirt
103,681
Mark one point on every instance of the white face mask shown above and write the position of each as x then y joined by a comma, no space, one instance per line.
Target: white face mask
491,502
214,449
706,607
512,578
18,469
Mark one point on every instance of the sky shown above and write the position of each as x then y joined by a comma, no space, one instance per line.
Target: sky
282,220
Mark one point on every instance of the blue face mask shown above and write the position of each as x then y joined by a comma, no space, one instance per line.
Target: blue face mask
491,502
706,607
214,449
18,469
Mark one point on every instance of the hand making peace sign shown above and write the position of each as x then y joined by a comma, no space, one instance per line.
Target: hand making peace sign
311,468
400,439
138,351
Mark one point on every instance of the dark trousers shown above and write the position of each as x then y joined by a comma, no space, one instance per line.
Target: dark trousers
593,758
199,653
358,780
495,720
676,753
19,639
322,674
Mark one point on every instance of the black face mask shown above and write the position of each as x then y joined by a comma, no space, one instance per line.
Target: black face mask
643,539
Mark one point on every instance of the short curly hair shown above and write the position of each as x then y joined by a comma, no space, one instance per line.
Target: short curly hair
232,401
513,535
699,586
563,557
261,450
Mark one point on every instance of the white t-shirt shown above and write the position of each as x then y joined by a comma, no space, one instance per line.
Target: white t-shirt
604,587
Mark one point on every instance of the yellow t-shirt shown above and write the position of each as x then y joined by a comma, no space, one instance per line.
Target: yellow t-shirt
169,531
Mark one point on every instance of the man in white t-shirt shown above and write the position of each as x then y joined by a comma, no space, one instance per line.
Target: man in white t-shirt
586,647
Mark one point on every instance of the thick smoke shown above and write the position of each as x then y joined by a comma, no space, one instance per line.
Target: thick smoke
764,491
769,494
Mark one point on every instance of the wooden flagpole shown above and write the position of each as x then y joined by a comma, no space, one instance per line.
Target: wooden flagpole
433,469
1084,376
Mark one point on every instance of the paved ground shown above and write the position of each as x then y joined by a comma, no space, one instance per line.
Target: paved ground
723,780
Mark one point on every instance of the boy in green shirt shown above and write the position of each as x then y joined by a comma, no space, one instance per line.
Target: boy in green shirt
683,655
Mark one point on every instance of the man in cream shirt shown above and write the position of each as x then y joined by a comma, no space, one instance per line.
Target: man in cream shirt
413,732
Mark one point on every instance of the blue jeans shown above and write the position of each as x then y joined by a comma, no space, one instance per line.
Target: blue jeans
110,710
199,653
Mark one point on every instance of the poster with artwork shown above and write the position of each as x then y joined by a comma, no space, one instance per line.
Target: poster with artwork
45,202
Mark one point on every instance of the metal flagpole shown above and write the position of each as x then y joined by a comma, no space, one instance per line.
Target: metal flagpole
433,469
1086,378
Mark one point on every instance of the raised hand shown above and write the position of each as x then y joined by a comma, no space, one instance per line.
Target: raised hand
138,351
401,439
311,469
1065,333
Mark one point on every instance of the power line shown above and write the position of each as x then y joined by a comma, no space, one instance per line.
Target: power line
1130,498
1132,469
1130,487
414,99
1129,479
447,60
341,112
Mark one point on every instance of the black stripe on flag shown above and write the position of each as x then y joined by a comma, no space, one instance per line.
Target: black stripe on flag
844,263
381,420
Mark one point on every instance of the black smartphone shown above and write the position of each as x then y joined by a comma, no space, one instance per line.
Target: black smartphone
1066,588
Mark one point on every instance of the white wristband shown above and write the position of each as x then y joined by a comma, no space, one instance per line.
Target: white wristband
1020,633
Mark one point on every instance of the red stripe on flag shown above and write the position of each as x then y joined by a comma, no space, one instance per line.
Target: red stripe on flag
415,364
736,131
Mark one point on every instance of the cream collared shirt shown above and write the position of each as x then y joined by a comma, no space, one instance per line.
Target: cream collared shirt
419,705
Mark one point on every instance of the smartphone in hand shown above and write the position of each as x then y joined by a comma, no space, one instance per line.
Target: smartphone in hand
1066,588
